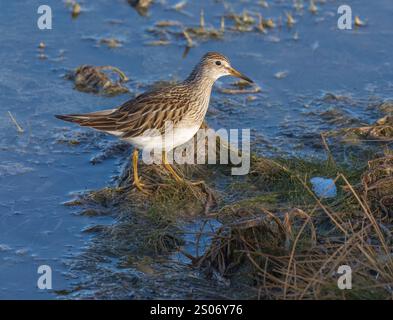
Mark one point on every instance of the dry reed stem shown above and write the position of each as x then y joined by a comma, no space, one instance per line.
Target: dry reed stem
18,127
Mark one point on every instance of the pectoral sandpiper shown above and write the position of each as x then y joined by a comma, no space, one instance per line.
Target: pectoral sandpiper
184,105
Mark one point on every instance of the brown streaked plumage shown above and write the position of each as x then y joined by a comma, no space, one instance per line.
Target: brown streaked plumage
142,120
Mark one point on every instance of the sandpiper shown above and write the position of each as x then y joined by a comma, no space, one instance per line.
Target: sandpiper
184,105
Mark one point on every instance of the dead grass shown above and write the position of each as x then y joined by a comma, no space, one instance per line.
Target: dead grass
377,185
94,79
282,242
295,253
380,131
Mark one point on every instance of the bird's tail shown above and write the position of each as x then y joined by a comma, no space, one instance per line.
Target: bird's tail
84,118
69,117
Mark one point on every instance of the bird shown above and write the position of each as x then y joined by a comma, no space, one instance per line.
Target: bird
141,121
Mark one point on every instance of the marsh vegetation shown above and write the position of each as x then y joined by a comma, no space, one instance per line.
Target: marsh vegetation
266,235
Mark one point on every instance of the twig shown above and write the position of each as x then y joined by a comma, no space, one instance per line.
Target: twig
122,75
292,256
329,153
188,38
18,127
202,20
366,210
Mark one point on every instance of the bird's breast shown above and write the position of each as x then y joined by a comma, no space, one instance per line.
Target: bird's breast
169,140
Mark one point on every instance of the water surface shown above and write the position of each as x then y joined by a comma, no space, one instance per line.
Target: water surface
38,173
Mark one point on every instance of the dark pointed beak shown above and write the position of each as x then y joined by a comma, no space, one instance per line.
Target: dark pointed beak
238,74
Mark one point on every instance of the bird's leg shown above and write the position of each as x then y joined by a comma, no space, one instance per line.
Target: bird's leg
170,169
174,173
137,182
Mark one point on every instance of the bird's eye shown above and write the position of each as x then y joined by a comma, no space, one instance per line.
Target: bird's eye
218,63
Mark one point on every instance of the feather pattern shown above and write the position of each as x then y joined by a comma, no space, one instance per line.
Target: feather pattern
184,105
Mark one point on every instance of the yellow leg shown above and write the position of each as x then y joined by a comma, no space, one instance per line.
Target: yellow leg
170,169
137,182
174,173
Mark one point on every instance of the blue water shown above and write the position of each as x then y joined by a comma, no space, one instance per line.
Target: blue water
38,174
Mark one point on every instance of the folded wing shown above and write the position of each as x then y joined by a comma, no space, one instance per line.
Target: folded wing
148,111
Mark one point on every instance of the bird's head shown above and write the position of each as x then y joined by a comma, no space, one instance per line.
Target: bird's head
215,65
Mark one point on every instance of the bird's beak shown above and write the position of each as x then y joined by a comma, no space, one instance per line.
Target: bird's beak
238,74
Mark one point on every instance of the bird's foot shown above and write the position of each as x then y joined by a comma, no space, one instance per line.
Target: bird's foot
140,186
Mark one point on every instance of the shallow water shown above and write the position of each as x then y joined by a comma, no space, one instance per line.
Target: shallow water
38,173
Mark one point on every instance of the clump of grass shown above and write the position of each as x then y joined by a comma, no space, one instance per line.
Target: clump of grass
280,241
377,185
111,42
228,253
386,107
141,6
381,130
149,223
173,201
294,253
94,79
241,87
164,239
289,177
103,197
242,22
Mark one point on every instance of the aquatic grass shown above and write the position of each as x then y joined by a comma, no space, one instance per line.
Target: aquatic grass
173,201
380,131
279,242
164,239
141,6
149,222
248,20
93,79
277,239
295,253
289,177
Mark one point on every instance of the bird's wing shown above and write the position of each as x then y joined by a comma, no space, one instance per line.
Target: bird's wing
147,111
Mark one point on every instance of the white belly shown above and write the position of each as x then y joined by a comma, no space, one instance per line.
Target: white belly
167,141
